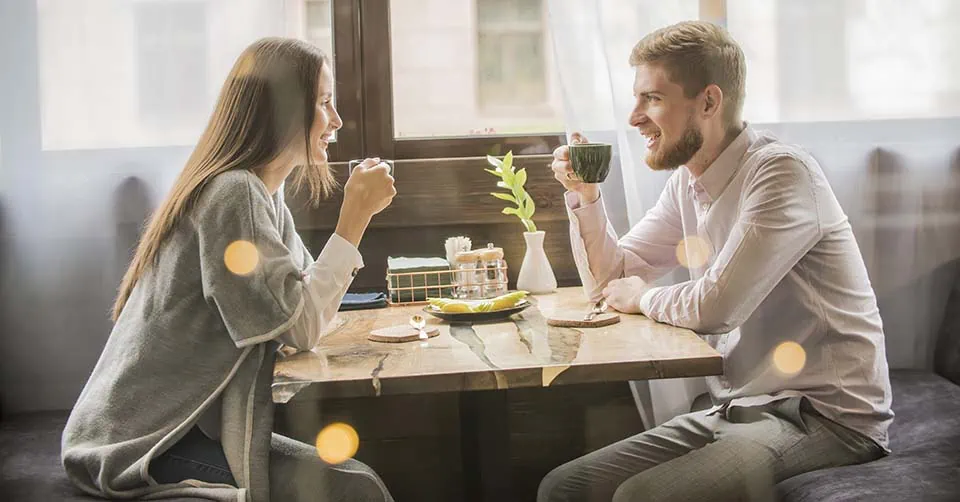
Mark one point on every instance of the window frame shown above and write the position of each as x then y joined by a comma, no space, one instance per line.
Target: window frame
347,70
364,77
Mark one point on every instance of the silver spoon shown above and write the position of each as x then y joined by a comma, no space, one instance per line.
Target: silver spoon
598,309
418,322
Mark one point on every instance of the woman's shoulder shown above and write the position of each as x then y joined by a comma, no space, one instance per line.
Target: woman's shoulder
232,184
234,190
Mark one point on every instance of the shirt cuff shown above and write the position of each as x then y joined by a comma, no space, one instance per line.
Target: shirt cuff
341,256
572,200
590,219
645,301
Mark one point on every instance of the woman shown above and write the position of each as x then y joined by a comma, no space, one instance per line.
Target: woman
179,403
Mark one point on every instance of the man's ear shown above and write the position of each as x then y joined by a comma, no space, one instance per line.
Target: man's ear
713,98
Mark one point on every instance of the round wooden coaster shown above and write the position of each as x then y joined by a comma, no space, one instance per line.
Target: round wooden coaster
401,333
575,320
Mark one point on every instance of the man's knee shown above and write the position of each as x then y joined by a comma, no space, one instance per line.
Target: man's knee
643,488
569,483
575,481
552,486
633,490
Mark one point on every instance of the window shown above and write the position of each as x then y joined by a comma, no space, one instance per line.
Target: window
146,73
510,51
171,43
428,78
471,67
442,78
830,60
319,25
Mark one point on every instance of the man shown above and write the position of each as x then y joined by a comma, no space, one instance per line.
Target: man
778,287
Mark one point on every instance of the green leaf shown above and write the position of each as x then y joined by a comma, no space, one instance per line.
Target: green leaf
531,227
508,174
511,210
508,161
530,207
503,185
494,161
521,178
504,196
518,196
491,171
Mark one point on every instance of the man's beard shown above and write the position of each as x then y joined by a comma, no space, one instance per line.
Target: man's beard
672,157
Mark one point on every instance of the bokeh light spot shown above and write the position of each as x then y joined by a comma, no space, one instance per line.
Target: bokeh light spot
241,257
789,358
693,251
337,443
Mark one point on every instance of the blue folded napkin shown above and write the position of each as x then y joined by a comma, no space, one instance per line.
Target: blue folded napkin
360,301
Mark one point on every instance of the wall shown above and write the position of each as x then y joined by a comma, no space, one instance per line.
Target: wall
899,183
62,246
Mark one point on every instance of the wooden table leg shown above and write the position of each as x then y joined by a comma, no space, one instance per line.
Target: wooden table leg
485,445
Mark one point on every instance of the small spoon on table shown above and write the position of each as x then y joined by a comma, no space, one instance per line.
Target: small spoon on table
418,323
599,308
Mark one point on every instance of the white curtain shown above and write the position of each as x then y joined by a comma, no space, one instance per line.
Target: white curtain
870,87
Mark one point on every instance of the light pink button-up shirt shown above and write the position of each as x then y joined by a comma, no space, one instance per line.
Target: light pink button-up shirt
781,265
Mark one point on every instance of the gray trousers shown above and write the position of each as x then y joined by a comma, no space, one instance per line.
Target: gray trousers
737,454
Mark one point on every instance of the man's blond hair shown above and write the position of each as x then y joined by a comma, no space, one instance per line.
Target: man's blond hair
696,54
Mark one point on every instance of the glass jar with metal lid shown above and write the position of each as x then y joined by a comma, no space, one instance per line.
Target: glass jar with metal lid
495,271
470,275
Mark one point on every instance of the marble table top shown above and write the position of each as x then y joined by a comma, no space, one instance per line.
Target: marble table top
521,351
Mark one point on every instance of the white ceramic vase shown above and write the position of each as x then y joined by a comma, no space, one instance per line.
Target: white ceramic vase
536,275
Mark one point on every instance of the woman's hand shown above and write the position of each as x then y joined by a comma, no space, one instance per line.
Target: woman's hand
368,191
370,187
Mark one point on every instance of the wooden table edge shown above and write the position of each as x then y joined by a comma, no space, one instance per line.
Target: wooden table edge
500,379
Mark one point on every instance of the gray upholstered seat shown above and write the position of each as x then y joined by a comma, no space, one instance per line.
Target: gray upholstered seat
30,469
924,436
925,439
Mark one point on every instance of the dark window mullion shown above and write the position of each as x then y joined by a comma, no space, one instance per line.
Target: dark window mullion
377,78
348,77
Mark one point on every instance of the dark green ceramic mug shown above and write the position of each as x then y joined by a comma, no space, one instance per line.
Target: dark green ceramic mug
591,161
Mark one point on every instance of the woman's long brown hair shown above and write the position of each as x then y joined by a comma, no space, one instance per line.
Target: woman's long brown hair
268,100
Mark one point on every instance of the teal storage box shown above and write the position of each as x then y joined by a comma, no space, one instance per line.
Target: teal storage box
428,278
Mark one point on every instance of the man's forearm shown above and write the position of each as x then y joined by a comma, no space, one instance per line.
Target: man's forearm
595,248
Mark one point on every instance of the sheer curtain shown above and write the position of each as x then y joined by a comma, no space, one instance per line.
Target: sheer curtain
101,102
870,87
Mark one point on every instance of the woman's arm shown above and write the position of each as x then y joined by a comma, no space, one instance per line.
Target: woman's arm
327,279
325,282
251,277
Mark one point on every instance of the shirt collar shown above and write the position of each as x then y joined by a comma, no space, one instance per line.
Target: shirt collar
716,178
